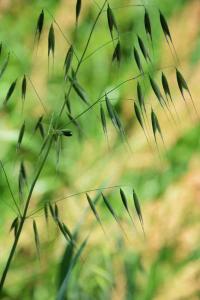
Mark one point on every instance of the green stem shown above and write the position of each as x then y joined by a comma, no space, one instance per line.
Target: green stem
23,218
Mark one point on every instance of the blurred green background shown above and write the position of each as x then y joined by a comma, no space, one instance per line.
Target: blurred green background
164,265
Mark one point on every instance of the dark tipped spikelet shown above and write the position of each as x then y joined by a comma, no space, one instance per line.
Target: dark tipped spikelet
79,90
138,115
78,9
117,53
37,240
103,119
111,21
66,132
143,49
137,60
155,125
156,91
39,26
4,67
21,135
166,86
10,91
165,26
138,208
51,41
68,61
147,25
24,84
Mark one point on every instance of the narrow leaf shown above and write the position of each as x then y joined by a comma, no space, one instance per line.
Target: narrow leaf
63,288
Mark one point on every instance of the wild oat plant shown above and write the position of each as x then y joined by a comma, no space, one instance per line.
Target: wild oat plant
60,121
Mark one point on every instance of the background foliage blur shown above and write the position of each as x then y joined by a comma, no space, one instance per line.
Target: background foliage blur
166,264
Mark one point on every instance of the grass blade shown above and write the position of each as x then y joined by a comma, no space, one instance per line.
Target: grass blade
63,288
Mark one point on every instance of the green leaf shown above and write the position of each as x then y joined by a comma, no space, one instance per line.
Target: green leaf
63,287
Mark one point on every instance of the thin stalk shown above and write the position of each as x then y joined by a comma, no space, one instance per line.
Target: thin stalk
23,218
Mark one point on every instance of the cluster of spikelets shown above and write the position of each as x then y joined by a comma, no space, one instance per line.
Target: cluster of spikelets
55,134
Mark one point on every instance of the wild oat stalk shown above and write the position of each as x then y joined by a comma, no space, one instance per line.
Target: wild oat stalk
108,112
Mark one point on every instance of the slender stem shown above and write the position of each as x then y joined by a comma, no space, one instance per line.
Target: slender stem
83,54
23,218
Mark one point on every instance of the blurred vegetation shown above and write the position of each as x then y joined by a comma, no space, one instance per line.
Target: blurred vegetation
164,265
